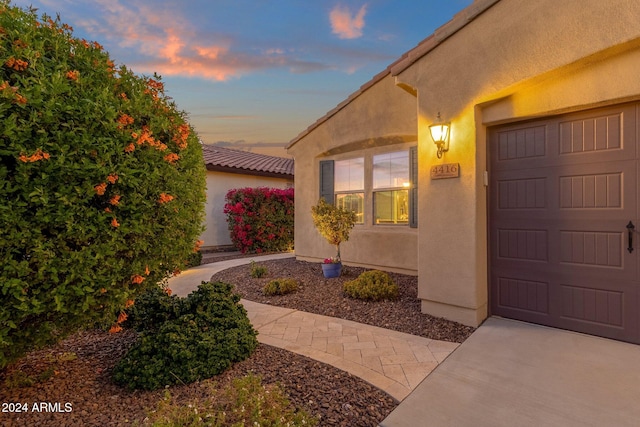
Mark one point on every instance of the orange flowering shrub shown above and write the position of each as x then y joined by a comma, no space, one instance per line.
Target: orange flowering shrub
165,198
73,74
38,155
73,254
137,279
100,188
172,158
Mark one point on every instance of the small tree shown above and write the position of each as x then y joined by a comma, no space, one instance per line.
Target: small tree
333,223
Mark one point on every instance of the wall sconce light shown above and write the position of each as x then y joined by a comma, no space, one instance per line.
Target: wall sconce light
440,135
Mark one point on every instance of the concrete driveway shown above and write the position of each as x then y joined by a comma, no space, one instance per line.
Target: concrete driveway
510,373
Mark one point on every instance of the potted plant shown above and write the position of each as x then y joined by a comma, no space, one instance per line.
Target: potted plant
334,224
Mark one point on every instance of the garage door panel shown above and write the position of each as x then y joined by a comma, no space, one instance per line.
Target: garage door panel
594,190
591,248
522,244
522,193
604,135
569,192
585,309
562,192
585,304
531,296
592,134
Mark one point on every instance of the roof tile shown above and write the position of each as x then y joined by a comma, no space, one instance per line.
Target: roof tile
246,161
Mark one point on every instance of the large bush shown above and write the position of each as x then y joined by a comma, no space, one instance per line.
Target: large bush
260,219
101,183
207,333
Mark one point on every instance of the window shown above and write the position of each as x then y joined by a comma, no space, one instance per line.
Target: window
349,186
391,188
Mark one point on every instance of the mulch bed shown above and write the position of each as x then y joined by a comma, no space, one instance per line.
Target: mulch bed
325,296
77,370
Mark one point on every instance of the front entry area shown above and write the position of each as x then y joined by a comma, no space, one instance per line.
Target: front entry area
564,221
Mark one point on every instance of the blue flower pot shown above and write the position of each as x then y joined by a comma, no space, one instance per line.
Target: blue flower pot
331,270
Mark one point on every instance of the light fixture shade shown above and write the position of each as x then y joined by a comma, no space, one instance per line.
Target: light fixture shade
440,135
439,132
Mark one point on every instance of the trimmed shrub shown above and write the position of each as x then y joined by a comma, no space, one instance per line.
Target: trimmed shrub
258,271
372,285
260,219
101,183
280,287
151,310
210,333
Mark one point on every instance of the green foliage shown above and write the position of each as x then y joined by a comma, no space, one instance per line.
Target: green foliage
333,223
52,363
194,259
372,285
258,271
280,286
260,219
101,183
245,402
151,310
210,332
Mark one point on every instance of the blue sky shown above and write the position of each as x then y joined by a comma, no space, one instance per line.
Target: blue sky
254,72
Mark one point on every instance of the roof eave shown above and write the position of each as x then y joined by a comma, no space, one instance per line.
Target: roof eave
253,172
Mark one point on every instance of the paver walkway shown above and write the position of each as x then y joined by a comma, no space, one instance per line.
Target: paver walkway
394,362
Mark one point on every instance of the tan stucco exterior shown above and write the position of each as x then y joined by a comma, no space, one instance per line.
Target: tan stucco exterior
517,60
363,127
216,233
496,62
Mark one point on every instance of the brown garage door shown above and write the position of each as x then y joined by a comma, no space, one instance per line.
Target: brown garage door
563,191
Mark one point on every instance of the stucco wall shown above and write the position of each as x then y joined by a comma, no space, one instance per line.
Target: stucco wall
218,184
381,119
519,59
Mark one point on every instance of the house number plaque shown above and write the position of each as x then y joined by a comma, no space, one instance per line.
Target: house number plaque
448,170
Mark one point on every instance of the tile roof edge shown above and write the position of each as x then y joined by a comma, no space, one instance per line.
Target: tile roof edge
288,162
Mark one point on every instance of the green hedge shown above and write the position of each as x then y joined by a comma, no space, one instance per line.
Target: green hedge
101,183
260,219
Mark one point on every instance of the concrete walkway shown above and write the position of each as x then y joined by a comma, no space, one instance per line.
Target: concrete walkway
190,279
511,373
394,362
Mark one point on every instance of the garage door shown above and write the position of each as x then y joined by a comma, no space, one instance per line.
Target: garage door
563,200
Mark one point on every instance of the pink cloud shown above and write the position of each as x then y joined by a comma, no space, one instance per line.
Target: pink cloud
344,24
165,44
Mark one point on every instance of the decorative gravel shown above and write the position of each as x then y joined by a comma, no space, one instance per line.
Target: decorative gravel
324,296
73,385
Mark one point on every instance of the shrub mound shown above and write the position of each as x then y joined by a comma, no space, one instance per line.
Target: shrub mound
204,334
101,181
151,310
280,286
374,285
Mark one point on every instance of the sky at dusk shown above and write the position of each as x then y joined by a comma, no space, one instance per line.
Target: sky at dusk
254,73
